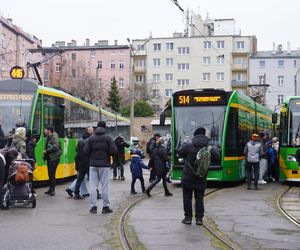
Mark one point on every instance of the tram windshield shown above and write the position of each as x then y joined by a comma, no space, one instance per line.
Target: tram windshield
188,119
14,108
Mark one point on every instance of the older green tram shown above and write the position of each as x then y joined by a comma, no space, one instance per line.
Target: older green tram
229,117
289,139
26,101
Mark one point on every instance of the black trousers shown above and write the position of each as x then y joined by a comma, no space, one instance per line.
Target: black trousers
142,183
152,173
52,166
83,170
157,180
187,202
255,166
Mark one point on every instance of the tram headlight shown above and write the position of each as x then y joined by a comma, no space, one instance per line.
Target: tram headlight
181,160
291,158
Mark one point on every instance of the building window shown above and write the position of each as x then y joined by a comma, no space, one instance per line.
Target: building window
280,99
157,46
73,56
169,61
220,76
93,53
206,76
280,80
99,65
262,64
280,63
169,46
121,82
261,80
239,77
169,77
220,60
183,50
183,66
156,62
113,52
206,60
169,92
156,77
183,82
121,65
240,44
3,40
57,67
140,63
73,73
155,93
46,75
238,60
112,64
121,52
140,78
140,47
220,44
207,44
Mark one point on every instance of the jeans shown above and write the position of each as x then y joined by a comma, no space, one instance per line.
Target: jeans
102,175
120,167
187,202
80,177
255,166
83,187
263,167
52,166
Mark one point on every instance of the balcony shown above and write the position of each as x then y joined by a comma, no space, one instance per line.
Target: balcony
239,67
139,69
237,83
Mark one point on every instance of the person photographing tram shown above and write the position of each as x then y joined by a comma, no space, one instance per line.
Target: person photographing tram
52,153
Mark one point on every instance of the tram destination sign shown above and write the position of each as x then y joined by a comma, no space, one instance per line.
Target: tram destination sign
199,100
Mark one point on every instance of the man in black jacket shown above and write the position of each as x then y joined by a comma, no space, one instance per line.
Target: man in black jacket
191,183
149,147
82,161
119,158
100,147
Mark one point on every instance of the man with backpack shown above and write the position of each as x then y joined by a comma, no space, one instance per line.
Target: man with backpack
197,160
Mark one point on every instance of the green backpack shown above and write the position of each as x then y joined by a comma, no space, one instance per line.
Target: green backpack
202,162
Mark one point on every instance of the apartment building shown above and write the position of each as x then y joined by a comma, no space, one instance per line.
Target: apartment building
277,71
214,55
14,45
89,69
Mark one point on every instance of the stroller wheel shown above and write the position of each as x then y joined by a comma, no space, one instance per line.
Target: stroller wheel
33,203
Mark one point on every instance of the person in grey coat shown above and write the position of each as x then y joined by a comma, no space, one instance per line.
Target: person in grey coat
253,151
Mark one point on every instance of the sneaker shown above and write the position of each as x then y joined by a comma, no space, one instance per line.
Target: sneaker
133,192
122,178
168,194
106,210
48,192
262,182
93,210
86,195
187,221
70,192
114,178
199,221
52,193
148,193
78,197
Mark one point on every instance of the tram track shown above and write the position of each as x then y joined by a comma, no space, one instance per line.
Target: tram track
221,238
284,202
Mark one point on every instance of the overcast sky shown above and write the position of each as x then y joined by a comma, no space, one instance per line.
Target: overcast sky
63,20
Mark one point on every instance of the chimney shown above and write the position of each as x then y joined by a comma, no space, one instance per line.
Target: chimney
116,42
87,42
288,48
10,21
279,48
274,48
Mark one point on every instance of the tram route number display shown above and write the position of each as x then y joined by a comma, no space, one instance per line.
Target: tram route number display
195,100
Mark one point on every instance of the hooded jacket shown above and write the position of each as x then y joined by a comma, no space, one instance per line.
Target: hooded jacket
189,151
136,166
99,147
52,147
19,141
253,150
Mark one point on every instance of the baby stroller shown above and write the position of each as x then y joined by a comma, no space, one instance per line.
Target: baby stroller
18,189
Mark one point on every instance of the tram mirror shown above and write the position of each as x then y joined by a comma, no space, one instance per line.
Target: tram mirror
162,119
274,118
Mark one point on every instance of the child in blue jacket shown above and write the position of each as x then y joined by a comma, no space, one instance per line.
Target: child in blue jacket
136,168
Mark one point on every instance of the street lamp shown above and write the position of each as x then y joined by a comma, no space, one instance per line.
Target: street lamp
132,83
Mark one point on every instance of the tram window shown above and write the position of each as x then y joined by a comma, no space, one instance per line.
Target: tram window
231,147
36,129
54,113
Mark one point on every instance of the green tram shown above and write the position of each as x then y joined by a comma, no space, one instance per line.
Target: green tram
25,101
289,139
229,117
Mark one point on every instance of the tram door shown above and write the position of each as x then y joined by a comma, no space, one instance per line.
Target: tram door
54,115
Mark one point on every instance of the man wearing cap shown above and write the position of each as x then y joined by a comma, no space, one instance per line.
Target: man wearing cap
100,147
253,151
